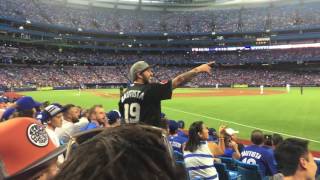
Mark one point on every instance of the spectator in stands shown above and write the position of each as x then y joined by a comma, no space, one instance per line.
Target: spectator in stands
181,131
97,118
130,151
256,154
231,148
51,116
29,153
114,118
70,116
25,107
276,139
198,156
295,161
177,142
234,137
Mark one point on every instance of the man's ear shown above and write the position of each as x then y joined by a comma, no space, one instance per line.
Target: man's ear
303,163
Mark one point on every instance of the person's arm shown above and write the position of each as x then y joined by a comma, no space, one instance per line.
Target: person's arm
187,76
236,154
221,134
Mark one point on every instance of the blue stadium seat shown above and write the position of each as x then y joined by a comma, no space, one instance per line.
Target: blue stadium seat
224,173
248,171
230,163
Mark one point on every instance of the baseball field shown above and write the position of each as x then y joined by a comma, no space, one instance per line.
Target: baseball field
244,109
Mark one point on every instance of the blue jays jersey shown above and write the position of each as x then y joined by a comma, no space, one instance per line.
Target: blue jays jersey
263,158
142,102
176,142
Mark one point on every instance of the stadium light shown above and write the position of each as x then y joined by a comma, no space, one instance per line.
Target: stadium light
21,28
79,29
28,22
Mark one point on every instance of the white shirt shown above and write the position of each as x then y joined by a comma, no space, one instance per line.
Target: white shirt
200,163
54,138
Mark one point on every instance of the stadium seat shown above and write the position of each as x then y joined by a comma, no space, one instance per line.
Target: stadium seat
248,171
230,163
224,173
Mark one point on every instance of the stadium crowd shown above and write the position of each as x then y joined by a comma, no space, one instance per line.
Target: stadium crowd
27,54
74,76
303,15
81,140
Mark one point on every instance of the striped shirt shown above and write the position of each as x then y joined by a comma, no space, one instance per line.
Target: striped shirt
200,163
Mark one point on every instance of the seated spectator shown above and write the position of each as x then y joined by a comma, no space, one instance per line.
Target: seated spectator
231,148
256,154
276,140
114,118
181,131
130,151
213,135
234,137
70,116
51,116
177,142
198,157
294,159
29,153
97,118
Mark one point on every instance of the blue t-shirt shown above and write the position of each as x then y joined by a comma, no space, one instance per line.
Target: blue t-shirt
182,134
176,142
90,125
262,157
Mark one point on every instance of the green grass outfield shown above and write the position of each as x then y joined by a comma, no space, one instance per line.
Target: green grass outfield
291,114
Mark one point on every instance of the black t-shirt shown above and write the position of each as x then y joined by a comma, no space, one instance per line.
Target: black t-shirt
142,102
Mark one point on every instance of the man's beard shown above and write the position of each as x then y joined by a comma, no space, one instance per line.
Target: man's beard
146,80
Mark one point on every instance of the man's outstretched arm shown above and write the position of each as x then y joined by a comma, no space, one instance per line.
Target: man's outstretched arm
187,76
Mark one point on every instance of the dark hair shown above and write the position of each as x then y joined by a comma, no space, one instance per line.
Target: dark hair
68,107
130,151
276,139
257,137
288,153
181,124
267,140
194,139
24,113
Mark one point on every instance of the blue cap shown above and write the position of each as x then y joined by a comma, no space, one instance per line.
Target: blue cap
113,116
7,113
162,115
173,125
26,103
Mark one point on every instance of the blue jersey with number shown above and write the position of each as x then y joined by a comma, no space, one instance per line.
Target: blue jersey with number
263,158
177,142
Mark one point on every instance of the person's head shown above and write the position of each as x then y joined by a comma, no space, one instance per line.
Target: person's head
98,114
141,72
197,132
294,159
130,151
257,137
232,133
29,153
276,139
114,118
71,113
181,124
52,115
25,107
173,127
267,140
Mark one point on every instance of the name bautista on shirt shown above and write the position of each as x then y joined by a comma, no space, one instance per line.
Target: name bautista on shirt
132,94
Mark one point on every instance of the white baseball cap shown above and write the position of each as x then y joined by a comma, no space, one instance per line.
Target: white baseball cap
231,131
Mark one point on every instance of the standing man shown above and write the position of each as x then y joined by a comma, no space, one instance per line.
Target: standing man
141,102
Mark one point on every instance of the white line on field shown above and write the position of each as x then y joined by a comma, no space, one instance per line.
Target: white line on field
231,122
